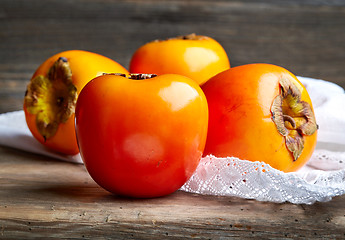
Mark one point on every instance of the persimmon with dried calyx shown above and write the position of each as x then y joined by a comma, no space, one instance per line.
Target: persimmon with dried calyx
260,112
51,96
195,56
144,135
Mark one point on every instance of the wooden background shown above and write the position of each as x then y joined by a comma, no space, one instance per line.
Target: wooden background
306,37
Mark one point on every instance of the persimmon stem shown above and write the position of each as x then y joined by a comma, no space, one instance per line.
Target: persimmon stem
290,120
293,117
134,76
191,36
141,76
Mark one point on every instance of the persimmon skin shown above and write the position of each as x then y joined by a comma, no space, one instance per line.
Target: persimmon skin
141,138
85,66
199,58
240,120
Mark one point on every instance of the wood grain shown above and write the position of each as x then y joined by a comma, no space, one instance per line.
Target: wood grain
48,199
306,37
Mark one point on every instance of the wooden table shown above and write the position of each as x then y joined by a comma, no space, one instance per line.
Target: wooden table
49,199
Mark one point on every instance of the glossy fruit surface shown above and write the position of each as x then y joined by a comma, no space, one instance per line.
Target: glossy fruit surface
194,56
51,96
260,112
141,135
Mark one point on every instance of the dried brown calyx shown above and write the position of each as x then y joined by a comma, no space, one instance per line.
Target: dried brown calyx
191,36
140,76
134,76
293,117
52,98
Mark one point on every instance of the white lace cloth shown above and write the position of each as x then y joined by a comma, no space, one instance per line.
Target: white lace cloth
322,178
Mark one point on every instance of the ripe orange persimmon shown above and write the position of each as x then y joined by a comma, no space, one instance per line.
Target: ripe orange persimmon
144,135
51,96
194,56
260,112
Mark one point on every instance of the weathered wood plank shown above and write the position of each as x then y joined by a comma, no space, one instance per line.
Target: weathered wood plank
306,37
44,198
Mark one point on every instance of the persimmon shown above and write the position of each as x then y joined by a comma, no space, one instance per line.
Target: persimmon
194,56
260,112
51,96
144,135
